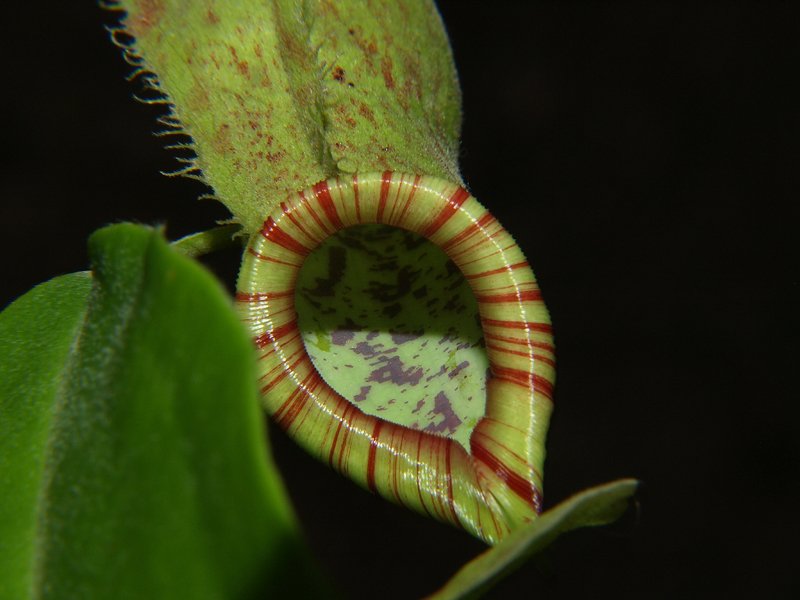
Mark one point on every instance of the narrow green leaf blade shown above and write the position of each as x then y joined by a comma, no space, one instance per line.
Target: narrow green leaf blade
157,481
206,242
595,506
37,335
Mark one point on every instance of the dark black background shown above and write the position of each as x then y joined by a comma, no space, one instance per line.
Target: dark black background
645,157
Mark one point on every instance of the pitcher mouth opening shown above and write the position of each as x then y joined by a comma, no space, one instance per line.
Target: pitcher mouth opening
490,486
392,325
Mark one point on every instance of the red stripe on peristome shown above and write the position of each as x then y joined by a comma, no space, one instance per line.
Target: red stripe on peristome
518,265
523,296
275,334
386,180
410,199
544,359
394,470
544,386
438,504
284,373
323,194
310,384
277,313
464,264
373,452
285,341
298,399
518,376
527,325
260,297
505,448
420,439
270,259
344,437
522,488
357,199
468,232
310,210
526,379
264,339
293,218
453,204
276,235
450,499
290,409
521,342
459,197
341,419
288,402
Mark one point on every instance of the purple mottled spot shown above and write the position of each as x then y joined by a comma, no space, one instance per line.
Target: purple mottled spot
402,338
340,338
442,371
362,395
458,369
420,404
412,240
393,371
337,262
454,305
385,292
448,338
442,407
393,310
364,349
452,269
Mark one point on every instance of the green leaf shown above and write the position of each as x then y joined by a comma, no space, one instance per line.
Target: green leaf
37,336
206,242
150,475
280,95
595,506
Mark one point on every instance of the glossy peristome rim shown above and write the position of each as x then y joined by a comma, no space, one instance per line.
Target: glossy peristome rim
495,487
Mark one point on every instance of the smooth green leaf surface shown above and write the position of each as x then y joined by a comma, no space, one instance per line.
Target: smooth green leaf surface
156,480
37,336
595,506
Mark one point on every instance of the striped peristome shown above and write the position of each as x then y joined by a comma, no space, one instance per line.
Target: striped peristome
495,486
